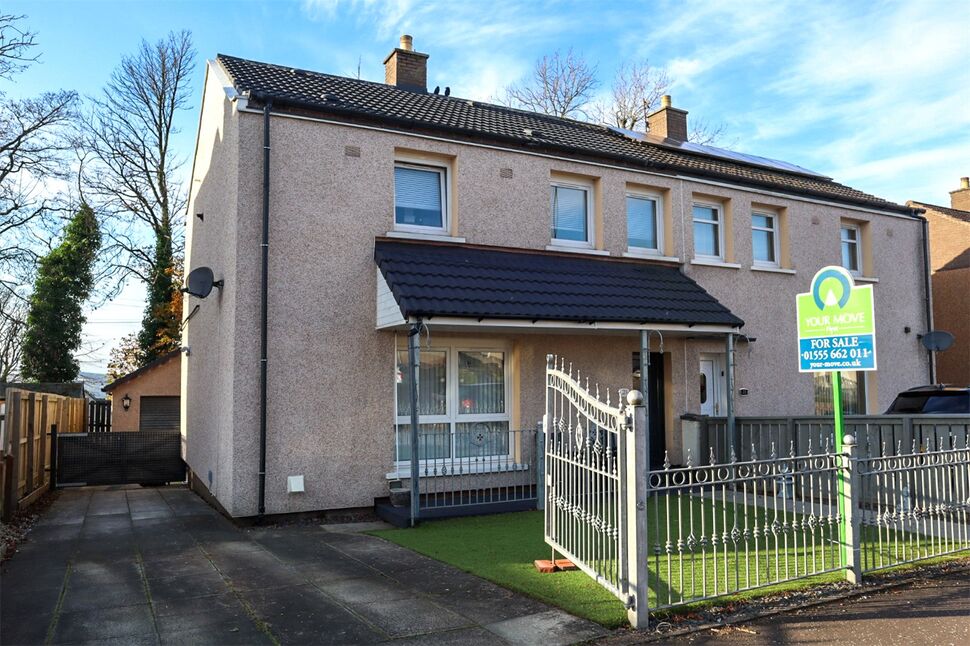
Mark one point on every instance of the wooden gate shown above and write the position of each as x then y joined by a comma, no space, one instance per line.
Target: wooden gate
99,416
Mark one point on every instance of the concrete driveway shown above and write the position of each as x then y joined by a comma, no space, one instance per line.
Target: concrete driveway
158,566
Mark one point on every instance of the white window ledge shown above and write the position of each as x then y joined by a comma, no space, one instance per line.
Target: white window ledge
645,255
704,262
414,235
448,468
865,279
774,270
586,250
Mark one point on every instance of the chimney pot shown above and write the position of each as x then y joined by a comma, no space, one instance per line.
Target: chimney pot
965,182
665,101
407,43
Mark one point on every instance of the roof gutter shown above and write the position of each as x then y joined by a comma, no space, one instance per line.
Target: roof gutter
264,313
409,124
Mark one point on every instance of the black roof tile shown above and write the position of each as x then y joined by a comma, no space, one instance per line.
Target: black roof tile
435,279
393,107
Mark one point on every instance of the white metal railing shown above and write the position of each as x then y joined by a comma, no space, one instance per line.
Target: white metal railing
784,507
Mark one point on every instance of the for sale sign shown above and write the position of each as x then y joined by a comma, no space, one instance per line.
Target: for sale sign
836,324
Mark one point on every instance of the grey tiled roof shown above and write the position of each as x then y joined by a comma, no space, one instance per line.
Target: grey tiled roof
387,105
436,279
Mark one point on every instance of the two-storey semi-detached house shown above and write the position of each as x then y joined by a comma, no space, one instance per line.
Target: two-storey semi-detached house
509,235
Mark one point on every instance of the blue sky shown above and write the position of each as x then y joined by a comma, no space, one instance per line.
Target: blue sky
874,94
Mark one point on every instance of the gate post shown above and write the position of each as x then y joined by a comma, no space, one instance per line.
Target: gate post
852,491
540,462
637,475
53,457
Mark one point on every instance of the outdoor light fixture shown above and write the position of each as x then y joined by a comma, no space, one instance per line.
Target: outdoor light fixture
126,402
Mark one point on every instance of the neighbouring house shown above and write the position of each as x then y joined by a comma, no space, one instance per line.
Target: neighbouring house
149,398
950,263
504,236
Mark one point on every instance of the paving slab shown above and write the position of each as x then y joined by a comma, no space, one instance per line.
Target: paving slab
550,628
410,616
304,615
89,625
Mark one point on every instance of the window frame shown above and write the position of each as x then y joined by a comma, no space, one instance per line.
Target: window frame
719,223
453,416
856,242
590,241
775,231
442,170
659,222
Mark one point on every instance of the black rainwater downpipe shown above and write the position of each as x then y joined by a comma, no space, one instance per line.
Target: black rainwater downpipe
927,292
264,312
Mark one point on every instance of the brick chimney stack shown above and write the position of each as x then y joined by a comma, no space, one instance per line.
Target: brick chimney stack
668,122
406,68
960,198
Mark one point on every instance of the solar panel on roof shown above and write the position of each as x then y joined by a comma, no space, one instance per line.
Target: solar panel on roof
723,153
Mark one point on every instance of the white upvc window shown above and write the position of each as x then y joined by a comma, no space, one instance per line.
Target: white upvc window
708,231
420,198
644,222
851,239
463,395
571,205
764,239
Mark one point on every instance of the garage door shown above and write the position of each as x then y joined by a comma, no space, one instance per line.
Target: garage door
159,414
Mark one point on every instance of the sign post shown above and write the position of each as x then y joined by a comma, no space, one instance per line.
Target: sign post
836,332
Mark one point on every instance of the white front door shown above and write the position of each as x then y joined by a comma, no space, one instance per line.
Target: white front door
712,385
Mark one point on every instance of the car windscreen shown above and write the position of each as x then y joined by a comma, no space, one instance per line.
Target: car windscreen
927,403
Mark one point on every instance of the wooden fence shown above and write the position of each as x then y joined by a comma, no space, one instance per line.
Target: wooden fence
26,443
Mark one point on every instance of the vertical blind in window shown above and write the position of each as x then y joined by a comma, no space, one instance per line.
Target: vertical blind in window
417,197
641,222
432,383
763,237
569,217
481,383
707,240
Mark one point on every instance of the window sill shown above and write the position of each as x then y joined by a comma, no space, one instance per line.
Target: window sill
704,262
448,468
773,270
415,235
586,250
650,256
865,279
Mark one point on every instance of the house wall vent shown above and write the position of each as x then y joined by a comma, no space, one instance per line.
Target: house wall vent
505,173
352,151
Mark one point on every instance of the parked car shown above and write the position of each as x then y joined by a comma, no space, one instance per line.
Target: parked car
929,400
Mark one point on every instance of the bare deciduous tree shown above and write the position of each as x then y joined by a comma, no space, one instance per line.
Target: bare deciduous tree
134,175
34,141
132,171
635,93
13,322
705,133
561,85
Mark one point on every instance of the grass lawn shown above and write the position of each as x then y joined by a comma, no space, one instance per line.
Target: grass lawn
502,548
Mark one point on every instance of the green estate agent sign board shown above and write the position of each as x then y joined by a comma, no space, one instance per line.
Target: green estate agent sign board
836,324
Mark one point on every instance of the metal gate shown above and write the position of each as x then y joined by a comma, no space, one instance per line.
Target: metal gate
589,454
137,457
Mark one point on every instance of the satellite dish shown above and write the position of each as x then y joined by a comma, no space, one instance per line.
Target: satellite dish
937,340
200,282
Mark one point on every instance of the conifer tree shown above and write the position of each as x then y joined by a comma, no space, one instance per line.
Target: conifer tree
64,281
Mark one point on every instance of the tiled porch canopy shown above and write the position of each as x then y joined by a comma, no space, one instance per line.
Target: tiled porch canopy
451,282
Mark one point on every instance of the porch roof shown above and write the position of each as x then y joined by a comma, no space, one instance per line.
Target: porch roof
430,279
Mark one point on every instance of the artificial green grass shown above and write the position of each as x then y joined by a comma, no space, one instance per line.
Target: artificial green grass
502,548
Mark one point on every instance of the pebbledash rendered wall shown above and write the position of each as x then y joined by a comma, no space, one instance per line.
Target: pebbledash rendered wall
331,374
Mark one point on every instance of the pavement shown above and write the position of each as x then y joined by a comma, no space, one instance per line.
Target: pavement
932,610
133,565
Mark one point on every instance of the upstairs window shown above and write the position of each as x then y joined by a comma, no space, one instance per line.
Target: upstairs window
764,239
644,230
420,198
708,232
850,248
571,213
